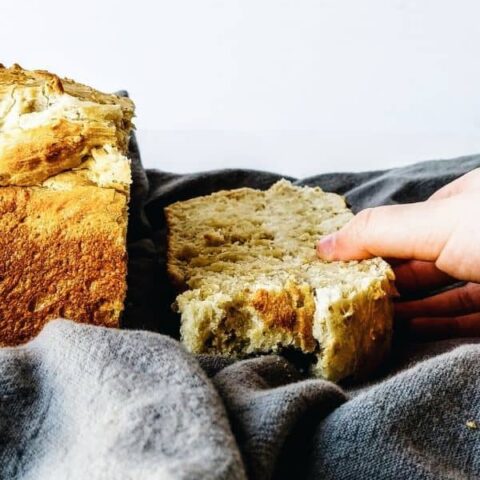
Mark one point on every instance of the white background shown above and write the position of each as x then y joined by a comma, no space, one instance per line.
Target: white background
296,86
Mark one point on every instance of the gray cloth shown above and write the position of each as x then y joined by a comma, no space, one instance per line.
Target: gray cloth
80,402
87,402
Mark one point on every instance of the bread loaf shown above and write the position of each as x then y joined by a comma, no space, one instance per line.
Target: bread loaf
64,190
251,282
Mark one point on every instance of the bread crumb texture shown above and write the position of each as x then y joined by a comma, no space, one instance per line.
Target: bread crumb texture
251,282
471,425
64,189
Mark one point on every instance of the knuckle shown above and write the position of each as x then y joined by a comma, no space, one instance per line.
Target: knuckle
360,229
364,220
466,299
471,178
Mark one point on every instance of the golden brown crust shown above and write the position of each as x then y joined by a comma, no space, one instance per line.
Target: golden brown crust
49,125
16,75
42,152
62,254
42,79
292,308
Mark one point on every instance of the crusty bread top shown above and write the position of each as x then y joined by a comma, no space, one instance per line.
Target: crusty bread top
43,80
49,125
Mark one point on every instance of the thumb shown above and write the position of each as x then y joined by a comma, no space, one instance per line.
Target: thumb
414,231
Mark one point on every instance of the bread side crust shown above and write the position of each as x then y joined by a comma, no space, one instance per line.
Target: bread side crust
353,329
62,254
174,273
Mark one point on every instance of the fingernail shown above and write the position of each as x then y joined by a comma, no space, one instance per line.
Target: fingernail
326,247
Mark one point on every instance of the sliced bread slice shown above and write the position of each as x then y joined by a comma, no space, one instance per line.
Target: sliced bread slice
245,260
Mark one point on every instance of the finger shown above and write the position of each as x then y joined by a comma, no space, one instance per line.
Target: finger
458,301
417,276
466,182
415,231
436,328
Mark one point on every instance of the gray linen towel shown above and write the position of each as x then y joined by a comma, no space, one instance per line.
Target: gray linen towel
83,402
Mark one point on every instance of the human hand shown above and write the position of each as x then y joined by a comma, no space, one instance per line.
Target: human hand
432,244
